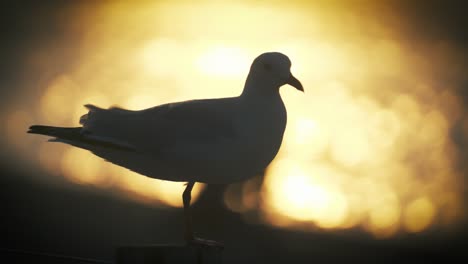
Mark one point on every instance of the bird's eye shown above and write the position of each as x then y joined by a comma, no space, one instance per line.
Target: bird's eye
267,66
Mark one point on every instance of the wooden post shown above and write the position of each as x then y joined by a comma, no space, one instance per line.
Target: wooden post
168,254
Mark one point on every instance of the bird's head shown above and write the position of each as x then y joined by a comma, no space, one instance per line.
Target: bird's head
274,68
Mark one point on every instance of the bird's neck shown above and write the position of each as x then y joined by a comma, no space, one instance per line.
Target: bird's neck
255,86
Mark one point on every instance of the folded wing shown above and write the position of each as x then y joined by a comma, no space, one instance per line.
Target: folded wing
157,129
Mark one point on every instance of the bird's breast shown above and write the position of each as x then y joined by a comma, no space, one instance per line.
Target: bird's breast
262,131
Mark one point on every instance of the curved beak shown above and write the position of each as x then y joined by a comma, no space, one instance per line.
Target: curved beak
295,83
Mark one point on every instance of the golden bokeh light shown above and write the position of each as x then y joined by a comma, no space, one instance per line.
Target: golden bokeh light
306,193
81,167
231,199
384,213
157,58
367,146
309,138
242,197
213,62
419,214
50,156
55,103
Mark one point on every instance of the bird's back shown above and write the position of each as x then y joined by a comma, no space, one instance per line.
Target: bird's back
212,141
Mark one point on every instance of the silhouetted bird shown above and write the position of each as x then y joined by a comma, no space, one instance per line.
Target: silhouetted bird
211,141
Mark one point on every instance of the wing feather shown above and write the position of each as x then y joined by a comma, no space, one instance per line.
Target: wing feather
160,127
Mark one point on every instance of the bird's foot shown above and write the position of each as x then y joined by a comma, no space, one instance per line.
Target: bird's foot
205,243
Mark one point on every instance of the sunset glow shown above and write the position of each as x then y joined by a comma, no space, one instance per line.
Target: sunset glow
367,145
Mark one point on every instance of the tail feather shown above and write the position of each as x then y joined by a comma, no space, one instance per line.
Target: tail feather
59,132
74,135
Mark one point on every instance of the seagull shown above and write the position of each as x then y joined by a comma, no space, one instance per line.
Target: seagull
212,141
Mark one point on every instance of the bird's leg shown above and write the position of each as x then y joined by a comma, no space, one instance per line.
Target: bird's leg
186,197
189,237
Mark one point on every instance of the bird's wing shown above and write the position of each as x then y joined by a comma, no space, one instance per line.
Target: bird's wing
160,127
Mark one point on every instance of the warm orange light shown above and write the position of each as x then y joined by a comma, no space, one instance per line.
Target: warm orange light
306,195
81,167
357,145
224,62
419,214
56,102
306,137
139,102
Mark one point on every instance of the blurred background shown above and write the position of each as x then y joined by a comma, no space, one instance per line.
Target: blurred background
372,163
